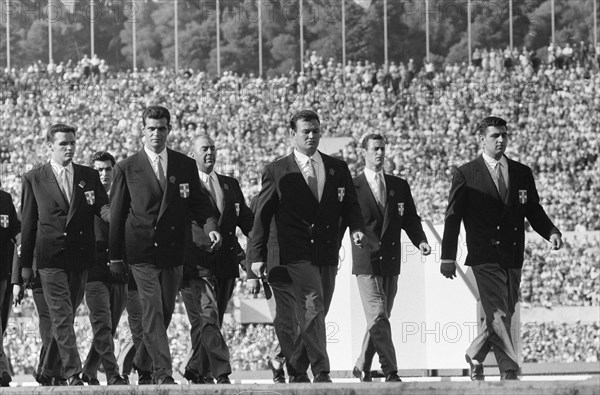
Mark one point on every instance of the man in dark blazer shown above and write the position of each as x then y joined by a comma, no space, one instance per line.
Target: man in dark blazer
493,195
105,294
210,276
59,202
308,193
153,193
283,307
10,229
387,207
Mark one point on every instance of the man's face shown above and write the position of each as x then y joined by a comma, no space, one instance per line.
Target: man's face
307,136
205,154
155,133
62,148
374,154
105,168
494,141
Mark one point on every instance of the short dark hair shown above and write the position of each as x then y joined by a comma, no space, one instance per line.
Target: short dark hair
59,128
490,121
305,115
156,112
102,156
371,136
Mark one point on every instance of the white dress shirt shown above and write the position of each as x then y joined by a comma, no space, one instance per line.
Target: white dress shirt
303,163
206,180
491,165
58,170
153,158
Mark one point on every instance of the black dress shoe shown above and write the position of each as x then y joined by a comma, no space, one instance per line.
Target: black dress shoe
322,377
75,380
5,380
300,378
45,381
509,375
145,377
278,373
392,378
191,377
476,370
126,378
89,380
117,380
223,379
167,380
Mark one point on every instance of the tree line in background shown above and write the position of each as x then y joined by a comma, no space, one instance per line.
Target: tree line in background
280,29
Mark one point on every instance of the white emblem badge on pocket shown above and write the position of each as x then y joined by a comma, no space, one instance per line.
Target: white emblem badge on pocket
90,197
522,196
341,193
401,209
4,221
184,190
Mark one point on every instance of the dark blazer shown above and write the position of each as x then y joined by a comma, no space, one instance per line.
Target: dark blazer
494,230
62,235
224,262
306,228
383,229
100,271
10,227
147,226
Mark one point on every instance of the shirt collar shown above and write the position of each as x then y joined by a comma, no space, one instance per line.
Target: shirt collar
206,177
370,174
153,155
59,168
303,159
491,162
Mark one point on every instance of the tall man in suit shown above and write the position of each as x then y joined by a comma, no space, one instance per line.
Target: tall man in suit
153,193
210,275
308,193
282,307
59,202
387,207
10,229
105,294
493,195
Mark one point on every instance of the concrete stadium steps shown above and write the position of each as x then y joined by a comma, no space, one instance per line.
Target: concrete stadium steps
587,387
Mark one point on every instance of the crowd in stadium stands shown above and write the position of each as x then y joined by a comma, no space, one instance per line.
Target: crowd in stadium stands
562,342
428,117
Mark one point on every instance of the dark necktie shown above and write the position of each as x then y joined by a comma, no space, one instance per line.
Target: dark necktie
312,179
161,174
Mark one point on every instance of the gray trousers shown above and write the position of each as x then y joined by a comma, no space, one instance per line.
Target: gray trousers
63,292
157,290
499,293
49,367
377,294
5,302
134,318
106,302
209,350
285,322
313,288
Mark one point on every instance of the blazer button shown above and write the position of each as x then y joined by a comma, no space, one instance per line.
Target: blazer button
381,258
230,233
393,258
497,242
155,228
172,228
64,234
312,241
327,227
498,227
155,244
81,232
231,248
393,243
515,228
515,243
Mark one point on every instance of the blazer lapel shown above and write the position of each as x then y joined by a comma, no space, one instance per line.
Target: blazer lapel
387,213
149,176
512,177
51,185
171,186
368,197
486,178
77,192
292,167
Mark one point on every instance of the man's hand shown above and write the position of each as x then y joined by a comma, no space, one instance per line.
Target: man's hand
448,268
216,239
27,275
18,293
425,248
259,269
118,271
556,241
253,286
359,239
